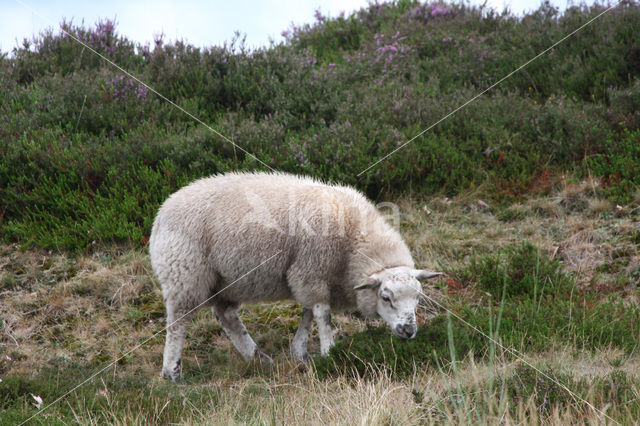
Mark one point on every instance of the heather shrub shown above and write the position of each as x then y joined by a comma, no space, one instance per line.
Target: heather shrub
625,105
618,163
518,271
615,387
543,385
328,39
59,53
329,101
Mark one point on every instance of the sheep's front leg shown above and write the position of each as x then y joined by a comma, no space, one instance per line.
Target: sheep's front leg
299,344
322,313
232,325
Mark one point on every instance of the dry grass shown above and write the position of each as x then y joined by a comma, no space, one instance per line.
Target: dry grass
585,231
72,307
94,308
429,397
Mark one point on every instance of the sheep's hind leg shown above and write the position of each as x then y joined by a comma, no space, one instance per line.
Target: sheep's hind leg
299,344
227,316
176,332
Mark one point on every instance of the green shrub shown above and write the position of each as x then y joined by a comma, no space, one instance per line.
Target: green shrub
618,163
88,154
518,271
545,386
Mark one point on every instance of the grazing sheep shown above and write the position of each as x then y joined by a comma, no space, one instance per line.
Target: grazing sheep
251,237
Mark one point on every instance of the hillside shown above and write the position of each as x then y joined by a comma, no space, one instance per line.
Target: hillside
527,198
79,137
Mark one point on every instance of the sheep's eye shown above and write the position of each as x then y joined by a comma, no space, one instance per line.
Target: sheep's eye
385,298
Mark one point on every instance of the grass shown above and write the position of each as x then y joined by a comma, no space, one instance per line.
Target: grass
528,199
505,390
66,316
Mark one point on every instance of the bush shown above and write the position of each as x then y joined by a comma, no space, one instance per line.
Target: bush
544,386
618,163
518,271
79,138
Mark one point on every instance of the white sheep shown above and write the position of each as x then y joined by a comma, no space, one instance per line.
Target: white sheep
251,237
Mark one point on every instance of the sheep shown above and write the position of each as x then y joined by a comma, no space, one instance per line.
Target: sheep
253,237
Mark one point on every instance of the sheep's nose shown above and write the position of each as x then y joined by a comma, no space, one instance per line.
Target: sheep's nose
406,331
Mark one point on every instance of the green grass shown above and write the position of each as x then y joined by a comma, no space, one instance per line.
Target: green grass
101,397
527,198
73,315
540,307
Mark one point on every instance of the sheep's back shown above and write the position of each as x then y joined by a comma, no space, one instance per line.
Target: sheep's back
235,222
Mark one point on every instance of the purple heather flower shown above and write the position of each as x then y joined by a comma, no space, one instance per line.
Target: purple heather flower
378,6
141,92
415,12
438,10
106,27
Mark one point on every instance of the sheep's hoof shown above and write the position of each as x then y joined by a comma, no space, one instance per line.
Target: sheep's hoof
302,363
170,375
302,359
263,359
174,372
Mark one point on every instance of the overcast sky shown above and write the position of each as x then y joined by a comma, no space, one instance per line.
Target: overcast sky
200,22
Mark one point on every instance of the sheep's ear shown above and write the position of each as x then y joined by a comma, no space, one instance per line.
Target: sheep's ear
370,282
422,275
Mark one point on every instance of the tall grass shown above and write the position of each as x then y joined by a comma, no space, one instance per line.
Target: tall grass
66,316
477,393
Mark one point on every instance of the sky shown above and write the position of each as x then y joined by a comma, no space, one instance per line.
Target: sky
199,22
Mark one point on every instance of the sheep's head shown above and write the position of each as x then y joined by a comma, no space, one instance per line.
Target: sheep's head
393,294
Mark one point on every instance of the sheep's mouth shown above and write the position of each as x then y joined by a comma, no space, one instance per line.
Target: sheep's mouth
406,331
